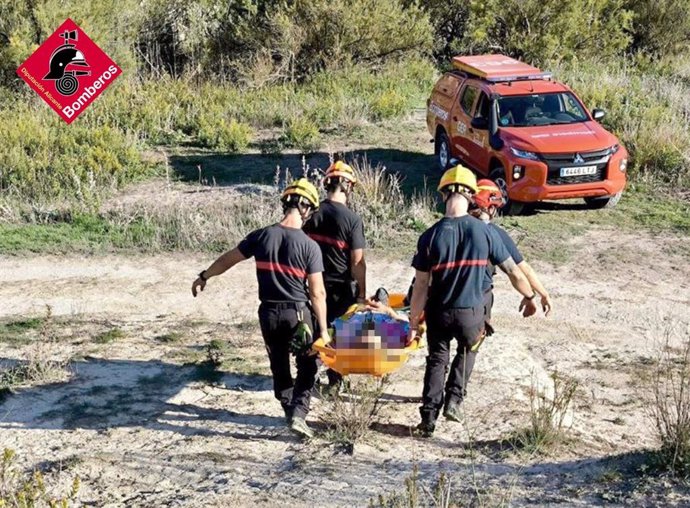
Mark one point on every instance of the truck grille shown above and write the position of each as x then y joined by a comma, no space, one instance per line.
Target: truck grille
556,161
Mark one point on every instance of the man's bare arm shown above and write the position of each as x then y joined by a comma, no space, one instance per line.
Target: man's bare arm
219,266
420,292
317,295
358,267
537,286
521,284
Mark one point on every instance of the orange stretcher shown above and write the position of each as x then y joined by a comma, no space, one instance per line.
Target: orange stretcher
375,362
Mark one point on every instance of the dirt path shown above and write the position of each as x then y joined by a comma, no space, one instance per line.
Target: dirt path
140,429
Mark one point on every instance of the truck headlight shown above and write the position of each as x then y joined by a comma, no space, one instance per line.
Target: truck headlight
518,171
623,165
523,154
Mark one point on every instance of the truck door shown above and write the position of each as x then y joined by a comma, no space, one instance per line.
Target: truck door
479,137
461,117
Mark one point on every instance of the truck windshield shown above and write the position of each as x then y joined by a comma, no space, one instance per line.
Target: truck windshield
540,109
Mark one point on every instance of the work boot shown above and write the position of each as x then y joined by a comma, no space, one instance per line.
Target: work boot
452,412
299,426
425,428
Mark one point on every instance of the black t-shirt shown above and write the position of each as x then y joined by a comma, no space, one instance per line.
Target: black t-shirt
284,258
338,231
457,250
503,236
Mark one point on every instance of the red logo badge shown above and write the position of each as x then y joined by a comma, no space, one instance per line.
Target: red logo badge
69,71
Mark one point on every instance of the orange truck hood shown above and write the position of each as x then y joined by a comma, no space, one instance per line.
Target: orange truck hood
575,137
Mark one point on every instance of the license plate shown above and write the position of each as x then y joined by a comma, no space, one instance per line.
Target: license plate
579,171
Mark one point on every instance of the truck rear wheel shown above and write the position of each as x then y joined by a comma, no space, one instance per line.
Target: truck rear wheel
443,151
605,202
511,207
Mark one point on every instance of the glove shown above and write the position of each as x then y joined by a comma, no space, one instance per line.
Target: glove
301,340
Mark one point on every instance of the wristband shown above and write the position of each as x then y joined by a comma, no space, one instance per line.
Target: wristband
534,295
201,275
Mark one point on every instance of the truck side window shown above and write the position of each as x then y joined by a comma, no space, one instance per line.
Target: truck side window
467,99
483,107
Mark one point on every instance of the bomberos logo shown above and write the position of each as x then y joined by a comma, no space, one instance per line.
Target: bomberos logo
69,71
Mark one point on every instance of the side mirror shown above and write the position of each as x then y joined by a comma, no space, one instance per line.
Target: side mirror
480,123
598,114
496,142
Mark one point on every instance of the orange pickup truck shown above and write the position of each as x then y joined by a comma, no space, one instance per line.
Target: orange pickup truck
530,134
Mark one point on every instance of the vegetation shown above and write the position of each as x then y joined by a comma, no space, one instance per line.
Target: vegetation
353,411
549,409
41,363
669,407
246,76
109,336
21,490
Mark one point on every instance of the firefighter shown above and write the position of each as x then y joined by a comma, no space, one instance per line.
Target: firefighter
487,202
340,234
450,265
289,270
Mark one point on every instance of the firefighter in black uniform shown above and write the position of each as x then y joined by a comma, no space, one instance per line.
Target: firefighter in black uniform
289,270
450,263
340,234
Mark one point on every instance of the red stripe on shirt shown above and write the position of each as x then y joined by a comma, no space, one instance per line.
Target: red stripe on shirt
459,263
329,240
277,267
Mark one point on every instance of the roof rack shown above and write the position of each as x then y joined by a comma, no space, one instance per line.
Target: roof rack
498,68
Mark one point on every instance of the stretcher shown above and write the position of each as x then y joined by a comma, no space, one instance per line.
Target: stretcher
376,361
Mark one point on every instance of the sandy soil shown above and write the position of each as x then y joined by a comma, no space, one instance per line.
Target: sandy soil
140,429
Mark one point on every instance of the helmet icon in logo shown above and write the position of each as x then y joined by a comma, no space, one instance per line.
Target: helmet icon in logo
62,63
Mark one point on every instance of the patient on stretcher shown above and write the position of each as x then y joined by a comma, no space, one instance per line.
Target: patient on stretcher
373,325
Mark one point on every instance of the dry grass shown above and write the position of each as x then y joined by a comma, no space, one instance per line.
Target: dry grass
43,363
670,398
549,409
352,412
29,490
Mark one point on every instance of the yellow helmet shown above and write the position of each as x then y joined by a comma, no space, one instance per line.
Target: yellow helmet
339,168
304,189
459,175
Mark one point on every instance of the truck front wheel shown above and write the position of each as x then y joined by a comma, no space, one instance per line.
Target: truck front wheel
511,207
605,202
443,151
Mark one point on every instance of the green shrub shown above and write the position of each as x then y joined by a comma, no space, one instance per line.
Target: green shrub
302,133
548,30
223,135
660,27
41,157
389,104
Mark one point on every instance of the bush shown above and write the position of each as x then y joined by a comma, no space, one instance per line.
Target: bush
223,135
542,31
29,490
353,411
41,158
660,27
670,404
548,413
302,133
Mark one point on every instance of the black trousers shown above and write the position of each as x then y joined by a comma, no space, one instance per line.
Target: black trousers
340,296
278,325
488,306
466,326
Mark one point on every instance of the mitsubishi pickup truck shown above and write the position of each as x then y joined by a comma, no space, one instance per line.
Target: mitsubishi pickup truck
530,134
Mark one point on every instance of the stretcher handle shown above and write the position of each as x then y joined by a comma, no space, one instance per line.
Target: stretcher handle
321,347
